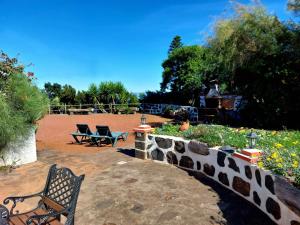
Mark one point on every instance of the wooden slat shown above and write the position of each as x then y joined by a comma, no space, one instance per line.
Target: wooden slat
52,204
21,219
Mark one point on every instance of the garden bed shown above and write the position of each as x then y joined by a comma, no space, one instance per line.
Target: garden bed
281,149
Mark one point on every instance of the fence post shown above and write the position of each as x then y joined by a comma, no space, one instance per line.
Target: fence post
49,109
65,108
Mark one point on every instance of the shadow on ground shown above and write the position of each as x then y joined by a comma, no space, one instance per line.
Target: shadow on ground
235,209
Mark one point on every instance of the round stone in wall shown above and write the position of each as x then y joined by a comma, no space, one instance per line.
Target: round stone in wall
248,172
273,208
186,162
233,165
223,178
164,143
256,198
269,183
157,155
198,165
209,169
171,158
179,147
198,147
295,222
258,177
221,158
241,186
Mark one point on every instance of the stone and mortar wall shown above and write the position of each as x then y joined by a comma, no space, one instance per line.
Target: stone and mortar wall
158,109
272,194
20,152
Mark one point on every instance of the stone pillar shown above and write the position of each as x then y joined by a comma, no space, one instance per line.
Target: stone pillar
141,140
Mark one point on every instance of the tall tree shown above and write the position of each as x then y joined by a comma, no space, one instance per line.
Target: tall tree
261,55
68,94
52,90
183,72
294,6
176,43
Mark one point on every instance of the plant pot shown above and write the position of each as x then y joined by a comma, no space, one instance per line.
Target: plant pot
184,126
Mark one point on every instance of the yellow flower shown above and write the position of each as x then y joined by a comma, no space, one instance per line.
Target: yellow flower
295,164
278,145
269,159
293,154
242,131
260,164
274,155
279,165
273,132
279,160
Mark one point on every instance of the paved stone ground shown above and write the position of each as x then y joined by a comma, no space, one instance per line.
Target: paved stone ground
122,190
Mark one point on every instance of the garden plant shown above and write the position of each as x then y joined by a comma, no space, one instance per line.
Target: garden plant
22,104
281,149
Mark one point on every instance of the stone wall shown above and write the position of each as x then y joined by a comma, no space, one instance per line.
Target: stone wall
158,109
20,152
272,194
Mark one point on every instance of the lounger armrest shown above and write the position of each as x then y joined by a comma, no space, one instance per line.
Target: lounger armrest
43,218
16,199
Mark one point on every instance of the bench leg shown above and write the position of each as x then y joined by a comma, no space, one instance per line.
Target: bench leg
76,139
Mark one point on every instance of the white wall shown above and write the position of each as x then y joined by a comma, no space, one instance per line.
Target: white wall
21,151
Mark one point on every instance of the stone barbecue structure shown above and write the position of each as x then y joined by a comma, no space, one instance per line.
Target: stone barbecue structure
270,193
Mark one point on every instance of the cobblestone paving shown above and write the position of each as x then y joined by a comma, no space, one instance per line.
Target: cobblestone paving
122,190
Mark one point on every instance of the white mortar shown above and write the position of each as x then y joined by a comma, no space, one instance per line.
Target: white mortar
21,151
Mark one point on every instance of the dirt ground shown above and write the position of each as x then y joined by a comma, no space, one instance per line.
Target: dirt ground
122,190
54,130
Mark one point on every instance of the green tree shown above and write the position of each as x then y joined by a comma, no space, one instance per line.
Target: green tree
68,94
183,73
294,6
53,90
113,92
260,55
81,98
92,94
176,43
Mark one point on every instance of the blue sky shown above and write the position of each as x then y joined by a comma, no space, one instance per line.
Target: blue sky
79,42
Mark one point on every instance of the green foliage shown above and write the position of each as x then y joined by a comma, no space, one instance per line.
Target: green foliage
21,102
176,43
26,98
183,73
12,125
281,149
294,6
52,90
92,93
259,54
68,94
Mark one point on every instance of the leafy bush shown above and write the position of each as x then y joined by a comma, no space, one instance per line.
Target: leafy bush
21,102
281,149
26,98
11,124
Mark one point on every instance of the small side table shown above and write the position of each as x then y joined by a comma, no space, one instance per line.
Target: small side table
4,215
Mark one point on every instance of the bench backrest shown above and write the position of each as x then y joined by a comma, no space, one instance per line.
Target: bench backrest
84,129
103,131
62,189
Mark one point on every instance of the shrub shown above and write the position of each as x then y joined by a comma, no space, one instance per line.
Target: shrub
281,149
27,98
21,105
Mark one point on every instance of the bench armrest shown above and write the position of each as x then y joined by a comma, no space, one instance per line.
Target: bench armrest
16,199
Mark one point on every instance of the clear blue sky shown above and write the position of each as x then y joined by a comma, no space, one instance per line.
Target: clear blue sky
79,42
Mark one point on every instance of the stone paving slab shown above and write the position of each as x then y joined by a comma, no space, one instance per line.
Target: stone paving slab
122,190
